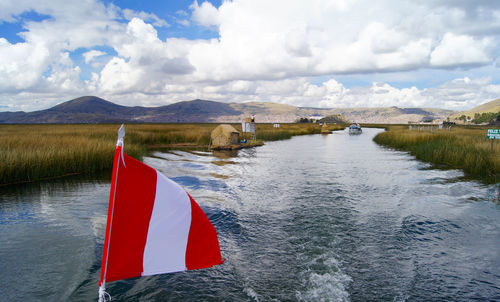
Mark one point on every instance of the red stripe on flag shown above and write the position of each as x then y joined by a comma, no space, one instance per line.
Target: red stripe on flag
135,195
202,246
110,205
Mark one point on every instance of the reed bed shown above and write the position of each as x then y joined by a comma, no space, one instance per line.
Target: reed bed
35,152
29,152
465,148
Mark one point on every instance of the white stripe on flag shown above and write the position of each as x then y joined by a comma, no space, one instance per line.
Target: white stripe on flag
166,243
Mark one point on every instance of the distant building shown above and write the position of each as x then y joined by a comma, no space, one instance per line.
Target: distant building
248,126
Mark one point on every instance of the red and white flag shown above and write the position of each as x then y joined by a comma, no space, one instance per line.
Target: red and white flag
153,226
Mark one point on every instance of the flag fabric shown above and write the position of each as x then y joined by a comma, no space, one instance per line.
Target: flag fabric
153,225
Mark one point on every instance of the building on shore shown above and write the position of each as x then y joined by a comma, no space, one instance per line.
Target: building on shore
248,128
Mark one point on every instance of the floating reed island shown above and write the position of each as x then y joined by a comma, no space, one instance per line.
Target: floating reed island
36,152
460,147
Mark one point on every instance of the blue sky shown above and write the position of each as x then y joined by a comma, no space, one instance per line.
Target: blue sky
322,53
171,12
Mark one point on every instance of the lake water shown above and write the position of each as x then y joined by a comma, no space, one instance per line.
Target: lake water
313,218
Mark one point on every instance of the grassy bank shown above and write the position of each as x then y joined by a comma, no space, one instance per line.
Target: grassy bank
35,152
465,148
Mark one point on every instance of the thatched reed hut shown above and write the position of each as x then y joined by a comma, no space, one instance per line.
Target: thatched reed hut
324,129
224,136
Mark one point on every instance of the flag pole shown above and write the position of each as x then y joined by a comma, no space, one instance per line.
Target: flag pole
119,143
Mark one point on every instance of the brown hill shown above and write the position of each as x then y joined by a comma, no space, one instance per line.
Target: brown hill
489,107
91,109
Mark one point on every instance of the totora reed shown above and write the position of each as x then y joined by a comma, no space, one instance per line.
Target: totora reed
461,147
35,152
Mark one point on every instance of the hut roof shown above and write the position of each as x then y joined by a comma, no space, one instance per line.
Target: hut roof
224,129
223,136
324,128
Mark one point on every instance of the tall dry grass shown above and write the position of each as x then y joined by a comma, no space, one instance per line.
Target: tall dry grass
466,148
167,134
34,152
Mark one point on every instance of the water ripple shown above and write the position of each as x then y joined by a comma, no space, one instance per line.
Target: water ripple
313,218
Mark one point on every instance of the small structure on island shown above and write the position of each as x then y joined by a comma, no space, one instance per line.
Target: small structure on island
224,137
324,129
248,127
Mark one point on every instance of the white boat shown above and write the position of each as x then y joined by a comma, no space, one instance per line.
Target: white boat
355,129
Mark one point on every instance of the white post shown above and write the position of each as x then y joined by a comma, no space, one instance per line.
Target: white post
102,289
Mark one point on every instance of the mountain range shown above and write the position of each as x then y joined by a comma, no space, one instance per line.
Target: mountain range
91,109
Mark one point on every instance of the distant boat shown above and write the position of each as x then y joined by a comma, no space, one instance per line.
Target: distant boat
355,129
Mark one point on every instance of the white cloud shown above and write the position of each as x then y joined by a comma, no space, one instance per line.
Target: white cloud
284,38
182,13
206,14
265,51
144,62
27,66
22,64
458,94
183,22
90,55
119,77
461,50
130,14
464,93
65,77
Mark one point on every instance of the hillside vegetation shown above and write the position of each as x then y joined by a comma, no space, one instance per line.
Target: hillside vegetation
482,112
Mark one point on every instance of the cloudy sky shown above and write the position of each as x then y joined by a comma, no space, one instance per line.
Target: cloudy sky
318,53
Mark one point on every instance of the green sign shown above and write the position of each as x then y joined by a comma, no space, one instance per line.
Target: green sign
493,134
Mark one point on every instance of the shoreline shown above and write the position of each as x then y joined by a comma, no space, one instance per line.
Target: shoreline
31,153
462,147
